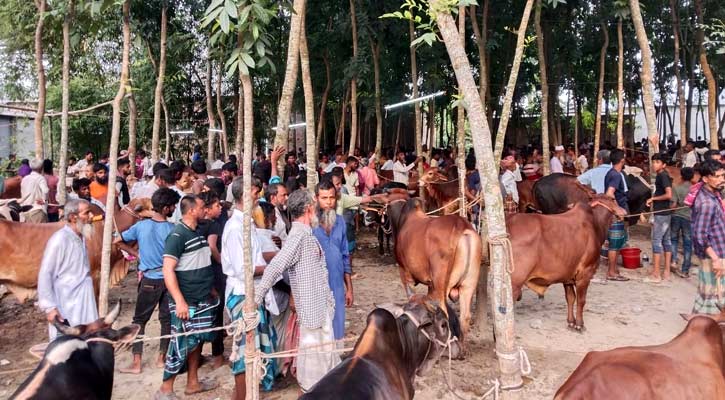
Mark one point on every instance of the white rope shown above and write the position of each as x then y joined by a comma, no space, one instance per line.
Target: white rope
521,357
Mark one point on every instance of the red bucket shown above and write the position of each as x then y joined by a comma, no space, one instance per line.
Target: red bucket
631,258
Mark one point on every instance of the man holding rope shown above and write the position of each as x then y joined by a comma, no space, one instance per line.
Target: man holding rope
302,256
660,203
615,187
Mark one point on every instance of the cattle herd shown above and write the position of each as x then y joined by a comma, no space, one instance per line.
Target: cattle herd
399,342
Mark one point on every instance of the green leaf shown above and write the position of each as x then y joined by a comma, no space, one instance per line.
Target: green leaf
230,8
260,48
245,14
255,32
248,60
224,22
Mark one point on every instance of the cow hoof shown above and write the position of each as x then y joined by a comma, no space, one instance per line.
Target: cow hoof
572,326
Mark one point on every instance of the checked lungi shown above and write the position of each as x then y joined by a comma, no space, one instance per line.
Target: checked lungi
709,299
181,346
265,340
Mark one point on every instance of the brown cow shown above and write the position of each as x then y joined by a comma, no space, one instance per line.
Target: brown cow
690,366
387,176
542,257
443,253
12,188
22,246
527,201
441,191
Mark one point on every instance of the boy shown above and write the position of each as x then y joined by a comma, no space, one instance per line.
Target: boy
660,204
681,218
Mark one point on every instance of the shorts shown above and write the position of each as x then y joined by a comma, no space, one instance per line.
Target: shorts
617,236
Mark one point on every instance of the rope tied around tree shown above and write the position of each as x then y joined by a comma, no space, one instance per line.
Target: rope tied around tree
503,241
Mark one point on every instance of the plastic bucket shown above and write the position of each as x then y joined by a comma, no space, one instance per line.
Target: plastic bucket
631,258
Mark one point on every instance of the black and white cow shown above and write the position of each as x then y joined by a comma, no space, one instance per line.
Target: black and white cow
10,210
79,364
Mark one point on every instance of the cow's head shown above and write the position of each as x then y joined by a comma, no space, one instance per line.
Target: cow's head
101,328
432,326
432,176
606,208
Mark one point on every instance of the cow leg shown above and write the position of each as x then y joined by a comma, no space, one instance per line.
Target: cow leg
582,285
570,297
381,236
407,280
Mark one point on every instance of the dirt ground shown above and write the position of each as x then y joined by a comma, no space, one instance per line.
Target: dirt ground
617,314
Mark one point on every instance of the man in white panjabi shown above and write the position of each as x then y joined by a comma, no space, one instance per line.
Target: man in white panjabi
34,192
556,164
65,287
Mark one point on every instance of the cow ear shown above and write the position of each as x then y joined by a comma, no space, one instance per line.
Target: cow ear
394,309
26,208
128,333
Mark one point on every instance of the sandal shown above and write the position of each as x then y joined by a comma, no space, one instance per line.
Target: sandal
650,279
159,395
205,385
618,278
683,275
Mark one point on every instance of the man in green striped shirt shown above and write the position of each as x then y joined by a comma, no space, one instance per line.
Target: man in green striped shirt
189,279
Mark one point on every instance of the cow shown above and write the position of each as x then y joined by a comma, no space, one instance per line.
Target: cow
527,203
397,344
690,366
10,210
12,188
79,364
443,253
441,192
384,228
387,176
542,250
22,246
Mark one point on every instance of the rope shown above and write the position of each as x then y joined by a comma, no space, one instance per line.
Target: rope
656,212
521,356
504,241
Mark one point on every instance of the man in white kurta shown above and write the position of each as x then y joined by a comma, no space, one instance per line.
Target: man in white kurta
65,288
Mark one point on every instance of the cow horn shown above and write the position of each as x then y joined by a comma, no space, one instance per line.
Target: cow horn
394,309
113,314
65,329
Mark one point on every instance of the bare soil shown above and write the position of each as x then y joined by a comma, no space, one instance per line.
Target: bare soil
617,314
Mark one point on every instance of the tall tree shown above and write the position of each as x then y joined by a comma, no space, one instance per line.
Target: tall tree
323,102
375,51
159,89
40,71
621,12
674,9
544,90
481,37
712,116
461,121
511,85
290,81
646,76
220,112
239,139
600,89
113,159
62,167
416,94
311,144
353,82
210,144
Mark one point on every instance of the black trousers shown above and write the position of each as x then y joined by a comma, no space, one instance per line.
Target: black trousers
152,292
220,284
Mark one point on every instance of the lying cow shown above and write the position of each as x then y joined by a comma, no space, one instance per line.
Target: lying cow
397,344
561,248
22,246
690,366
80,364
443,253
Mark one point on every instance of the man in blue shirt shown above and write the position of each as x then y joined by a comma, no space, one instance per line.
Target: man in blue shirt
615,188
594,177
150,234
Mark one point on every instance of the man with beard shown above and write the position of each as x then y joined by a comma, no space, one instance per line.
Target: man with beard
277,196
303,258
65,287
151,234
123,168
352,180
333,238
229,172
99,186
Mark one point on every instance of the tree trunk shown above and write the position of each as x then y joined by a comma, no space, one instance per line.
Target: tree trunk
397,132
600,93
311,149
210,115
62,168
646,80
159,90
239,139
132,123
502,303
343,117
353,83
544,90
290,81
40,114
418,116
620,85
709,77
323,102
375,49
220,111
113,159
461,122
481,36
167,130
511,85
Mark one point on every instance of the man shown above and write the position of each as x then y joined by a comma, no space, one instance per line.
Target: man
189,279
556,165
324,162
331,233
99,186
617,236
708,237
218,163
163,177
85,162
65,287
291,170
681,218
435,159
304,259
198,168
10,168
338,162
345,206
660,203
123,170
368,176
508,182
388,164
263,168
690,157
151,234
277,196
582,164
233,241
351,178
34,192
229,172
594,177
400,170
